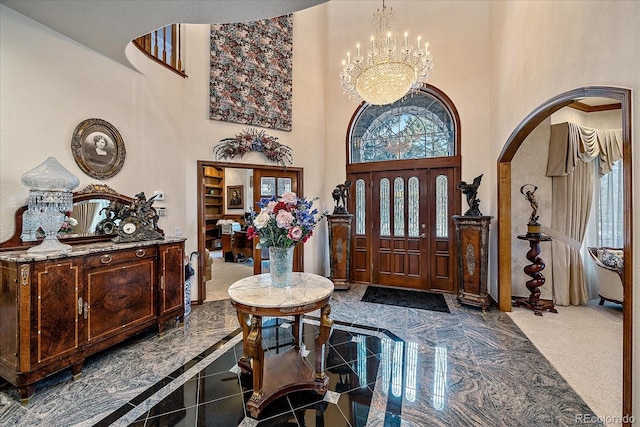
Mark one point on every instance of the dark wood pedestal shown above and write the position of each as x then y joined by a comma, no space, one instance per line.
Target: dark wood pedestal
472,234
534,270
340,249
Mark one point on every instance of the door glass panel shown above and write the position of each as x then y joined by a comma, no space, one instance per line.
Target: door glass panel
284,185
385,218
267,186
398,207
442,204
414,207
360,207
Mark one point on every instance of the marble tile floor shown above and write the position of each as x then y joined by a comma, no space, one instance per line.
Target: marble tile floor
388,366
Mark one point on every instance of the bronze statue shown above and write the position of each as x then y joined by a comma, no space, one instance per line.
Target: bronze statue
471,191
340,194
531,198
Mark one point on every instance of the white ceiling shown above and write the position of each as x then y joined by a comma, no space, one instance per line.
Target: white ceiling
107,26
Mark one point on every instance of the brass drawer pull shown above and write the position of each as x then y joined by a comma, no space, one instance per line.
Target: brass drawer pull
140,253
105,259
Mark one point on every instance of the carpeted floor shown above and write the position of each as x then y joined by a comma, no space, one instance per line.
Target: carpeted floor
406,298
223,274
584,343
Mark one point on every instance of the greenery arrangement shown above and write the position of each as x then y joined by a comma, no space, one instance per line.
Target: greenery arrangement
283,221
254,140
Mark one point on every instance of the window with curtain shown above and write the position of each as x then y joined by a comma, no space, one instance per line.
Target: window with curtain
610,212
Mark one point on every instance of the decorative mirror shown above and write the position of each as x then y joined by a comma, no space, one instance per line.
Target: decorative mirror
93,208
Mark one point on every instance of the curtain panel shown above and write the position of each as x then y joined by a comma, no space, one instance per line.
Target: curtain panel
571,149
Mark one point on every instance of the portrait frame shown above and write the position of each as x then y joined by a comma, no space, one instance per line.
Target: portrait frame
232,202
99,162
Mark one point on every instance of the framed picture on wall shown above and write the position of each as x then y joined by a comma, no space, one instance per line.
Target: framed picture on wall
98,148
235,197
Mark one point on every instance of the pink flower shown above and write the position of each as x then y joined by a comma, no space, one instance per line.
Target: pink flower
284,219
270,206
295,233
289,198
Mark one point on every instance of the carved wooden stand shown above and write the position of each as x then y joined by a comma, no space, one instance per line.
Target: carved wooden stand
472,234
340,249
534,270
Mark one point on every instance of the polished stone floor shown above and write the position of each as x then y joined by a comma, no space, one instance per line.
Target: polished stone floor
388,366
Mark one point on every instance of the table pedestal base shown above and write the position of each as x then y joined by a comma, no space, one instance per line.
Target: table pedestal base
538,307
283,373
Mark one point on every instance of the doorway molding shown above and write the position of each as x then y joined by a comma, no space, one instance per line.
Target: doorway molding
511,147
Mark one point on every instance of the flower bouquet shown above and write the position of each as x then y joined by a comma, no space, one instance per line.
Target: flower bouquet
281,224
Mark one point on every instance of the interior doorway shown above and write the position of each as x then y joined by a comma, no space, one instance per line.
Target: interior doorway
504,210
215,189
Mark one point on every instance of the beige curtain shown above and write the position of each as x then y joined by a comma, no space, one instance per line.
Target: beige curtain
84,213
571,150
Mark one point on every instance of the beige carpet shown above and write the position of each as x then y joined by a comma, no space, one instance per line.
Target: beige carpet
223,274
584,343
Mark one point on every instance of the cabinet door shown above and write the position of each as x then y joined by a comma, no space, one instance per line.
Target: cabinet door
56,301
120,297
171,293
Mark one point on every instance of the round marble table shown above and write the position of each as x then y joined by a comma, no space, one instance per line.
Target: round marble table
274,376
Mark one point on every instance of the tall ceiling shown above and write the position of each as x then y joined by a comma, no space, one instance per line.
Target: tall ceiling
107,26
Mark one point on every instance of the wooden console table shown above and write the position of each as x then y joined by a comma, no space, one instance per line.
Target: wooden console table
275,376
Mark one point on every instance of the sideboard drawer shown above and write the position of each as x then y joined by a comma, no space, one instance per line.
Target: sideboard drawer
120,256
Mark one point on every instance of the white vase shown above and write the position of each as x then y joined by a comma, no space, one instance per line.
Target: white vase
281,266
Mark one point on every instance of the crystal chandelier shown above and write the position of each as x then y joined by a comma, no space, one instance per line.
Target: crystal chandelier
389,71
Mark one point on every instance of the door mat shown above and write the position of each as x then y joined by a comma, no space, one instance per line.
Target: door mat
406,298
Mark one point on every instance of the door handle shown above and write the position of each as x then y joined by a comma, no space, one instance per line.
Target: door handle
423,235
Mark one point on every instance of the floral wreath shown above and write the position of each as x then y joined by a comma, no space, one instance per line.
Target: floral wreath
253,140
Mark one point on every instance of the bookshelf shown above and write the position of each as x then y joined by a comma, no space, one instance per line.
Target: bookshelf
213,194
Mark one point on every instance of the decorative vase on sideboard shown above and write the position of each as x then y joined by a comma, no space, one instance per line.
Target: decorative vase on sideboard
472,235
340,249
280,266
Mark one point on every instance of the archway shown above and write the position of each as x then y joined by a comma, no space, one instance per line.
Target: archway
504,209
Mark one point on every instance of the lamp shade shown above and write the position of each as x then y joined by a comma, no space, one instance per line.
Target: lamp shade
50,175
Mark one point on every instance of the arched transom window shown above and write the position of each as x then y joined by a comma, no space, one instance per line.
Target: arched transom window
417,127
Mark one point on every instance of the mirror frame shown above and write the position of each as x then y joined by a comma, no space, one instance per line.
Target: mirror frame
91,191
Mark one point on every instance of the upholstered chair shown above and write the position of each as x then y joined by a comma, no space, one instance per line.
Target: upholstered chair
609,270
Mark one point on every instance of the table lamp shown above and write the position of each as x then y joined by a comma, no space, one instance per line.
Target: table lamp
50,196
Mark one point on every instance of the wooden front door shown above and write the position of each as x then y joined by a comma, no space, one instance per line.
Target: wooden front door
403,234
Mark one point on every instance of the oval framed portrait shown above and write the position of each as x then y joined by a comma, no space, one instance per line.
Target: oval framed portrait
98,148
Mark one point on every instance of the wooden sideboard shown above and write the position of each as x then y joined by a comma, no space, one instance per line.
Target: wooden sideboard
55,310
58,308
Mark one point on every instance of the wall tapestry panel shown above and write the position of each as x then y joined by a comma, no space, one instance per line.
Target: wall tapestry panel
251,72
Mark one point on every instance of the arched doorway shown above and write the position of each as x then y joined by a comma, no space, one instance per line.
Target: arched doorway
504,209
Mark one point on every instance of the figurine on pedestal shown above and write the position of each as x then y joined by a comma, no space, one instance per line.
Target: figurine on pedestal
472,237
339,224
534,270
471,191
